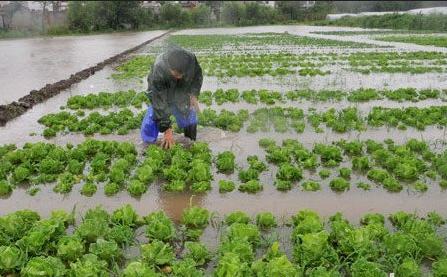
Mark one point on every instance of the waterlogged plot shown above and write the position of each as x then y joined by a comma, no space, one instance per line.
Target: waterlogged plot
256,41
398,62
113,166
98,245
109,112
432,40
386,164
312,64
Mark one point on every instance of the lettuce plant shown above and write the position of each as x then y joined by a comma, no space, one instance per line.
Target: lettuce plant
88,189
175,186
126,215
136,188
89,265
225,162
283,185
105,250
248,174
44,266
251,186
195,217
266,220
226,186
159,227
289,172
237,217
339,184
5,188
70,248
137,268
241,231
197,252
157,253
202,186
311,185
11,259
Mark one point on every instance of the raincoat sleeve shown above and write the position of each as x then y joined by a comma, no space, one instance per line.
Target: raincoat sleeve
197,80
157,93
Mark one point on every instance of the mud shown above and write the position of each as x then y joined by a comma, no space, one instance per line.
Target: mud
17,108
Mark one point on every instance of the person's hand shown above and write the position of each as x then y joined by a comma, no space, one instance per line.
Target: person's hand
194,103
168,139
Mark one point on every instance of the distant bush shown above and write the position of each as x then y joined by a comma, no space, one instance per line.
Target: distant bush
432,22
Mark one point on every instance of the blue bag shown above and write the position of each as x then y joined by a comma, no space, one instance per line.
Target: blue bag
149,128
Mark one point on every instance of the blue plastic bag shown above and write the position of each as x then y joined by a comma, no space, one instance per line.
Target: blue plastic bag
149,128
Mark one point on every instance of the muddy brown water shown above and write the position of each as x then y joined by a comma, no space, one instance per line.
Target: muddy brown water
353,203
27,64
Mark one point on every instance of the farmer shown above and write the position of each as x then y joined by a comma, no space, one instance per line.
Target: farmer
174,84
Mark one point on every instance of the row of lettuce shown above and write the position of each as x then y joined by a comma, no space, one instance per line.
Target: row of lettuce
283,63
123,99
116,166
287,119
98,245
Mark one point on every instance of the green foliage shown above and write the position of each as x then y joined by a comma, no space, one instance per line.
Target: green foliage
226,186
311,185
339,184
159,227
197,252
225,162
265,220
157,253
136,188
251,186
43,266
70,248
195,217
237,217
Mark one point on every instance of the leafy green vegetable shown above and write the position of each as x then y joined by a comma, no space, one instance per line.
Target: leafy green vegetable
197,252
89,265
138,269
195,217
225,162
44,266
237,217
136,188
311,186
226,186
159,227
157,253
251,186
11,259
70,248
88,189
105,250
265,220
339,184
126,215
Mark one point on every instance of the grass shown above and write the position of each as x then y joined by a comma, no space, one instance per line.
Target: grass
432,22
432,40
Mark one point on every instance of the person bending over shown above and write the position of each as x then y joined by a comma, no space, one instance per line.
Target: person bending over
174,85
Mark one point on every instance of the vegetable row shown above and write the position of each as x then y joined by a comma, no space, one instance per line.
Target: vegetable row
283,63
97,246
117,166
266,119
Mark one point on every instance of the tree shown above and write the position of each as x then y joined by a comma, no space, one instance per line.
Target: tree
201,15
233,13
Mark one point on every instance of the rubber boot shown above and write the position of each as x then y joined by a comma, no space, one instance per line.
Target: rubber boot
191,132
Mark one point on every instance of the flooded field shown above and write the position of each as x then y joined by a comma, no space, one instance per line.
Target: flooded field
418,194
33,63
353,203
